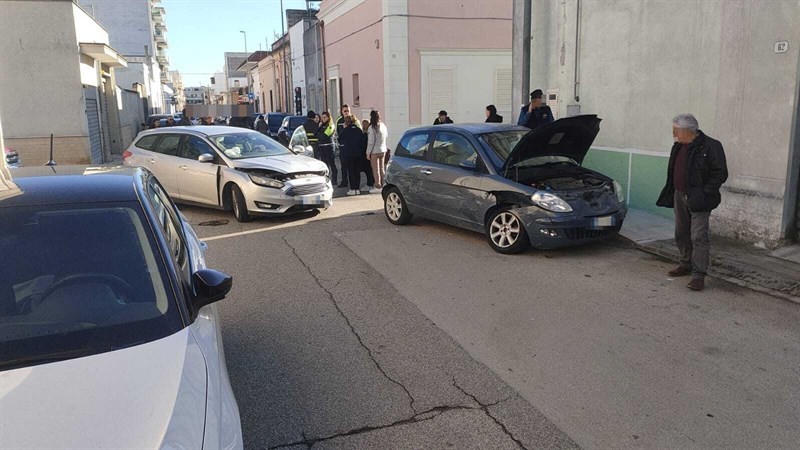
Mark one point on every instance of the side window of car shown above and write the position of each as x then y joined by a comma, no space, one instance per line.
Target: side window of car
454,150
147,142
168,220
194,147
413,146
169,145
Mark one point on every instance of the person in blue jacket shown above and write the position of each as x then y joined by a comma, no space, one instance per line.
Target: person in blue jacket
535,114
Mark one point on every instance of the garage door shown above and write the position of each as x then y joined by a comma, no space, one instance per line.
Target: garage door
93,120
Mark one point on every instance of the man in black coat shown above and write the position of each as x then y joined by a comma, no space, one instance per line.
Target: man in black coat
696,171
535,113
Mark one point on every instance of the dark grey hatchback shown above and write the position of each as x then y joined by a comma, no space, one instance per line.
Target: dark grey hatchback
519,187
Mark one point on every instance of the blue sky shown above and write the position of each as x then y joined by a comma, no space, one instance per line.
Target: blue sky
201,31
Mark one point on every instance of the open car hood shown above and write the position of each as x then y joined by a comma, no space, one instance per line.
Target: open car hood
570,137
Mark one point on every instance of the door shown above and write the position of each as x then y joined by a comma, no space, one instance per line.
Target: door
164,160
409,163
452,181
197,181
93,120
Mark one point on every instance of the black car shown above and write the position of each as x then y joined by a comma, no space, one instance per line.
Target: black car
289,124
94,260
274,122
241,122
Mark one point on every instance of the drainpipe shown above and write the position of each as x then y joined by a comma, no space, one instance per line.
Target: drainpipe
577,49
324,66
520,56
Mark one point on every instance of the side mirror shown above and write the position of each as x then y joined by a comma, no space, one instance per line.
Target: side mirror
309,150
209,286
468,165
298,149
206,158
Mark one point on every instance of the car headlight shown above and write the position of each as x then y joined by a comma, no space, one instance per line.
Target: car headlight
550,202
264,181
618,191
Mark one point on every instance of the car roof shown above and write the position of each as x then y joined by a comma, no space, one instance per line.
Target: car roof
54,185
198,130
472,128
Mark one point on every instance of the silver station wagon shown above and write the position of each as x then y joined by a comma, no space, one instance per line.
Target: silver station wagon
233,169
519,187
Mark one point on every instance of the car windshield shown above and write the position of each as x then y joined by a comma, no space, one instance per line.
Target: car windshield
501,143
248,145
77,280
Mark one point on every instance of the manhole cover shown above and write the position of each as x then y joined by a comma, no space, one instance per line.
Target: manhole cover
214,223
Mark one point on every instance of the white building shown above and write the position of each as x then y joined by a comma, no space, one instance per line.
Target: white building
195,95
137,28
234,79
60,81
298,67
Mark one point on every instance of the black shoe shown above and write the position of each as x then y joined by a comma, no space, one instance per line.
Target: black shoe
679,272
697,284
344,185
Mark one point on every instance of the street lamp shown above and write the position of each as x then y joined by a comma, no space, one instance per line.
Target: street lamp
245,40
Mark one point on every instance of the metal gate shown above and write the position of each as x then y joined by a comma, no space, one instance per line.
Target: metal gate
93,120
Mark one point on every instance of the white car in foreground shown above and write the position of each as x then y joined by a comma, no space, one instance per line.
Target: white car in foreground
109,331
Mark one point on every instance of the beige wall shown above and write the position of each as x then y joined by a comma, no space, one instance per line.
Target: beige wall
40,77
36,151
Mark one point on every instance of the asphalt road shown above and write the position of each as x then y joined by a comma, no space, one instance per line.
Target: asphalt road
343,331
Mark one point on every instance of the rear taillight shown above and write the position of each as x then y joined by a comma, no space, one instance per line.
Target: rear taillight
126,154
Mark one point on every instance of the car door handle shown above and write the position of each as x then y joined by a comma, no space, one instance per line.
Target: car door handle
425,171
184,167
152,161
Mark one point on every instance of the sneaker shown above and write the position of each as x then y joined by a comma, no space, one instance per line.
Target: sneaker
679,272
697,284
352,192
375,191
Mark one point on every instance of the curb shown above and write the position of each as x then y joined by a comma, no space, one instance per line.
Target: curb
719,274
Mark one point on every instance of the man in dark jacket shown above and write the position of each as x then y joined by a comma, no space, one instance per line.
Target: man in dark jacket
262,126
311,125
442,118
535,114
695,173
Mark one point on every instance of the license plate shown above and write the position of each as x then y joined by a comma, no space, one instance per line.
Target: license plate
313,200
603,222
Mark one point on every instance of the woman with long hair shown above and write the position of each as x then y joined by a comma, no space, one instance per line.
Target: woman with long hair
376,149
492,116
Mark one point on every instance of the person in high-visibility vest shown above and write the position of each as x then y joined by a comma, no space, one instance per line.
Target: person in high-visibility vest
311,125
325,144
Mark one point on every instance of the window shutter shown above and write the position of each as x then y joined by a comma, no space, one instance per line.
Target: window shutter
502,91
441,91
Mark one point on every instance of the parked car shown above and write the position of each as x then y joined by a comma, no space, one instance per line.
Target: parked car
519,187
289,124
232,169
240,122
274,122
109,331
12,157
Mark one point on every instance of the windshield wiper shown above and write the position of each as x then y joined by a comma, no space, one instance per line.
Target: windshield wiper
33,360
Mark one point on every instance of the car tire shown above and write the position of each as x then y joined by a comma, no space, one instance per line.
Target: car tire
239,205
505,232
395,208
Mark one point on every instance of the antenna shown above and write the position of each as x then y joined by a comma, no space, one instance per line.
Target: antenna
51,162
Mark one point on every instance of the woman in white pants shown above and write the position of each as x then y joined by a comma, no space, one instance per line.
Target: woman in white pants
376,149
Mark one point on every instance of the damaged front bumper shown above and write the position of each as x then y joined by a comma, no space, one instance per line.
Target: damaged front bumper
553,230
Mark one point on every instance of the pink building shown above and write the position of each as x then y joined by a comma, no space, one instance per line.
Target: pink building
410,59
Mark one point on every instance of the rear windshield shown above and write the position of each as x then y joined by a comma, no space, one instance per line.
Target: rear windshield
275,120
77,280
295,122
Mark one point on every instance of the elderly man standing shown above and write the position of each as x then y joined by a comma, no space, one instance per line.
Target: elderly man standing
696,171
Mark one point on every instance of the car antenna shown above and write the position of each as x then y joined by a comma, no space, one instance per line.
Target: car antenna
51,162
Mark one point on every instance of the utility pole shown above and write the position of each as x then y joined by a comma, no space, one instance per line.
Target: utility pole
520,56
245,40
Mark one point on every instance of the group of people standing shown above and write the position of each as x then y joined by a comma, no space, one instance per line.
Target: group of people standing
532,115
362,147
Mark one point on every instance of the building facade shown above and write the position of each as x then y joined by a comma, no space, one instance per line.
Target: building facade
416,58
67,64
733,64
138,31
195,95
234,78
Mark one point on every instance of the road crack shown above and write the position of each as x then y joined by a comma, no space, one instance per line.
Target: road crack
350,325
485,408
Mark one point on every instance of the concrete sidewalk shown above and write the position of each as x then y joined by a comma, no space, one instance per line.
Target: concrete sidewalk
774,273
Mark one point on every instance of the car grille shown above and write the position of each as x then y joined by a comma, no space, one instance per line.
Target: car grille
306,189
577,234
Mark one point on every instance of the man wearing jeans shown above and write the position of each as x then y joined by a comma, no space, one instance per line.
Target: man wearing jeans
695,173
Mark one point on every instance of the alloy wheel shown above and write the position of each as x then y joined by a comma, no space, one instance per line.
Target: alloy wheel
504,230
394,208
